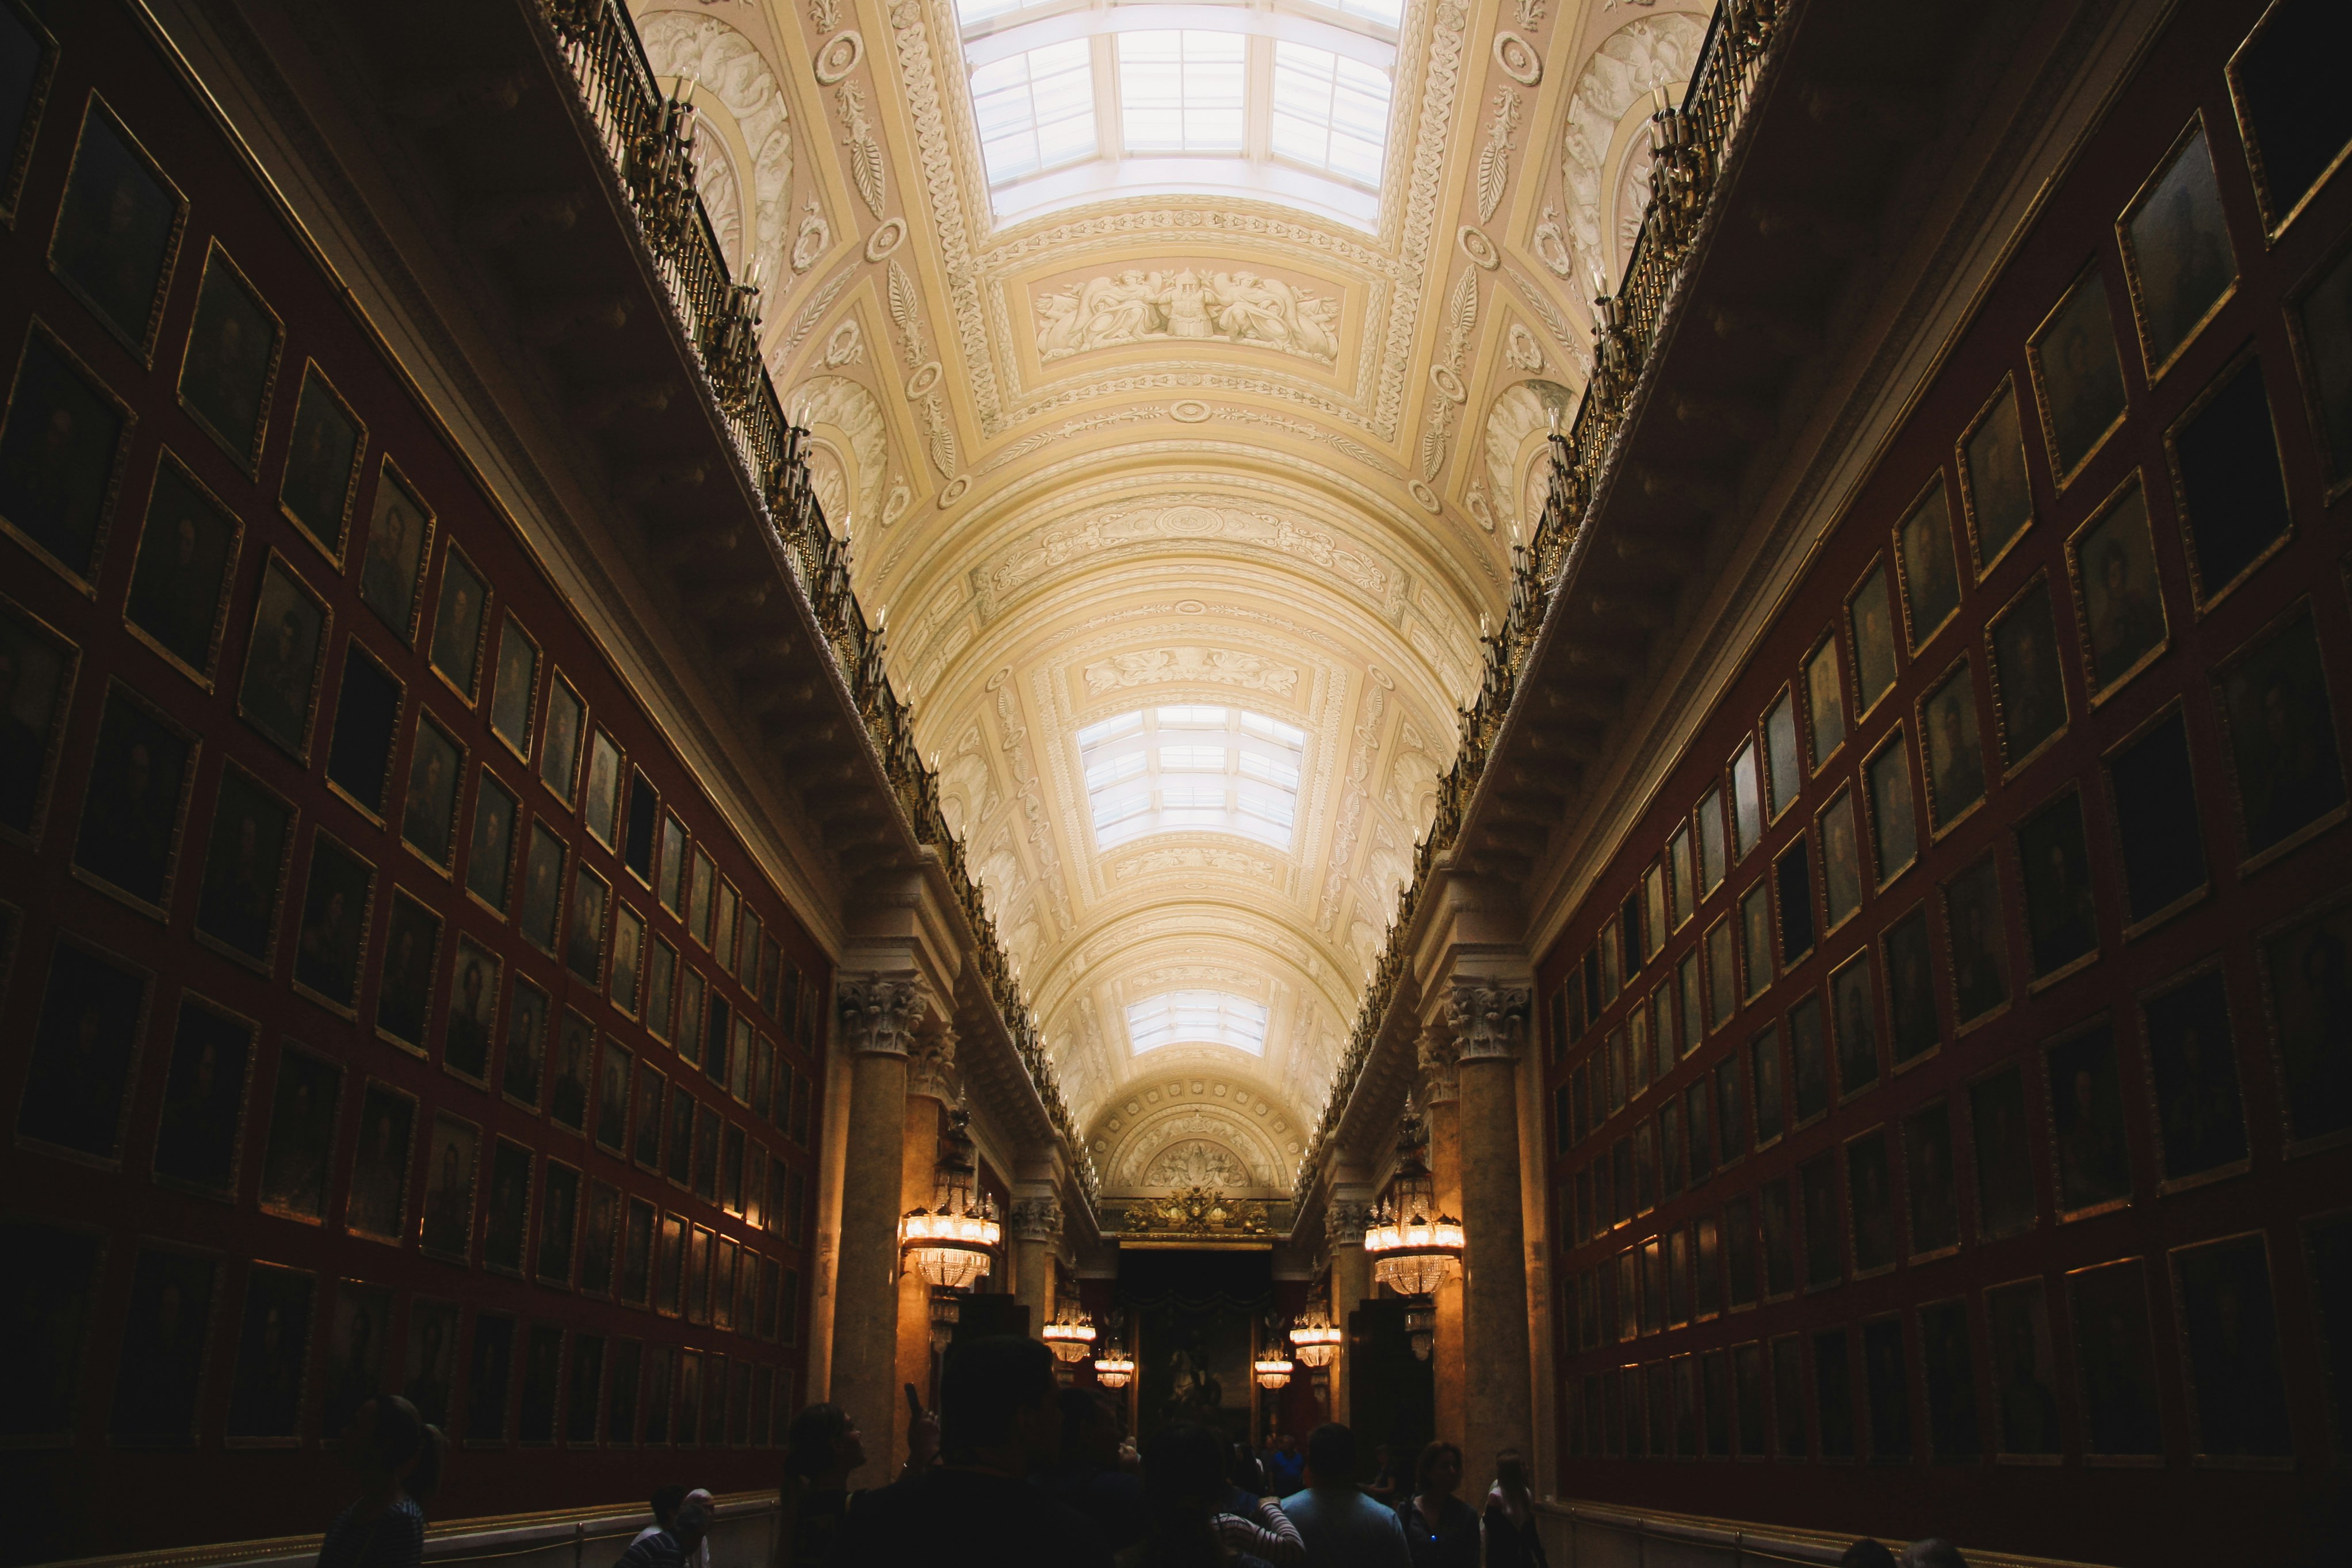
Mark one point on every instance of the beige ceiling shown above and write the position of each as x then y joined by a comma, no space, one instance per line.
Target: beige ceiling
1309,524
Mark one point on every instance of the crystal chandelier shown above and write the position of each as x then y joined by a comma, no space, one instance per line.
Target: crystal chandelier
1314,1337
1113,1368
1273,1370
954,1242
1414,1248
1069,1336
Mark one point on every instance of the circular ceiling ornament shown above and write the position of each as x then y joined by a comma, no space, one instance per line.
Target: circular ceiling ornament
886,239
1445,378
1479,247
1189,411
901,498
1481,512
1518,58
1382,677
955,492
1191,607
1426,496
926,376
845,49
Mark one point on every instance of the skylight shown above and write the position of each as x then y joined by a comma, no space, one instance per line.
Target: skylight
1191,766
1182,92
1196,1018
1329,112
1036,111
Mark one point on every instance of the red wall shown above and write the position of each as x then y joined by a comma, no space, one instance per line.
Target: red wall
2191,1499
85,1487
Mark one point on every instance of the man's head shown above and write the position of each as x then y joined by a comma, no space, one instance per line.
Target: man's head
666,1502
1331,1456
1933,1553
689,1524
1089,1431
997,1394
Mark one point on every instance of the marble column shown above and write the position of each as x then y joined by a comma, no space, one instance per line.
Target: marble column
877,1014
1441,1097
1344,1218
1489,1025
1036,1227
931,1061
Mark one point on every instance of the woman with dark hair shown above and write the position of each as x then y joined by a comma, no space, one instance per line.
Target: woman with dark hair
397,1457
1511,1537
1439,1526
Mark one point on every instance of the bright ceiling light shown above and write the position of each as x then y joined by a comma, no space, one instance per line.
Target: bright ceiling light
1191,766
1196,1018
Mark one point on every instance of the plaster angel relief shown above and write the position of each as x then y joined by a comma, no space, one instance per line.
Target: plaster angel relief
1239,307
1222,666
1197,1164
1652,52
730,66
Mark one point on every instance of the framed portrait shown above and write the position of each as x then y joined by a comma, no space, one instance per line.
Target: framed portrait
1824,701
2029,695
542,888
283,657
1755,938
229,365
1809,1056
1793,873
466,1032
583,949
2024,1373
678,1165
1996,496
2319,326
453,1159
85,1055
1978,932
1714,864
576,1068
660,1363
1722,975
559,752
412,952
378,1206
698,1238
274,1352
188,546
613,1069
543,1366
1654,915
586,1384
724,1252
2111,560
661,970
559,1223
489,862
458,620
429,1374
336,901
621,1408
645,1149
1747,812
601,808
2192,1071
1924,566
1947,728
1854,1009
1824,1227
644,813
201,1130
1790,1436
428,819
731,1147
63,446
302,1117
367,725
2175,247
2290,151
1841,875
2078,377
2004,1154
514,687
1908,952
165,1332
2088,1144
2159,837
2230,1342
2115,1364
2305,963
2228,481
2279,721
1894,821
1930,1191
2062,912
1886,1390
637,1253
526,1053
489,1380
246,853
1870,639
700,910
507,1222
1870,1200
140,772
689,1018
37,679
628,946
118,230
2328,1258
359,1349
399,543
322,464
669,876
28,66
46,1320
1784,773
600,1236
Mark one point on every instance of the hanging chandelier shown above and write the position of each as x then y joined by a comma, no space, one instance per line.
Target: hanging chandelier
1273,1370
1415,1248
954,1242
1069,1336
1114,1368
1315,1339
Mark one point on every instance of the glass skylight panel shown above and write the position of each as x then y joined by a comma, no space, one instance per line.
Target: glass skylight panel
1329,112
1192,765
969,12
1387,12
1036,111
1197,1019
1183,91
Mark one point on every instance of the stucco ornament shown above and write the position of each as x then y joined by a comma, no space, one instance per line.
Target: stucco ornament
1187,304
878,1011
1652,52
837,401
730,66
1519,413
1215,666
1488,1022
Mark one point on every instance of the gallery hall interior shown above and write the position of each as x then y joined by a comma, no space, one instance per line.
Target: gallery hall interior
1185,784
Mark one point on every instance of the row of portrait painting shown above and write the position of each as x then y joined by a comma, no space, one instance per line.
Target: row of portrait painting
1926,1372
297,1367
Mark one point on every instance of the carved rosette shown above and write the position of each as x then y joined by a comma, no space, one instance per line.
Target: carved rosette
1489,1022
1344,1221
1035,1219
1441,1066
878,1012
930,1065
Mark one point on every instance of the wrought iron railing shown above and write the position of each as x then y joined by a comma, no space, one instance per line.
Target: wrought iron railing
1690,140
649,138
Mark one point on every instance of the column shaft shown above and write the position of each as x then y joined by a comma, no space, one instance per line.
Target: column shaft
866,1292
1351,1283
1451,1358
919,1160
1496,1290
1032,1279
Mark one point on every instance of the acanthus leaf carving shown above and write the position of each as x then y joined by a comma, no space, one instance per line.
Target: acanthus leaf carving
1494,158
1488,1023
866,164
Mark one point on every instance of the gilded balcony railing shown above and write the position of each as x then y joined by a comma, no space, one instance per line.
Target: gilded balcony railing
650,139
1690,139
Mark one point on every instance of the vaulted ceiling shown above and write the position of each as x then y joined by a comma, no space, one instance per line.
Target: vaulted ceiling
1182,409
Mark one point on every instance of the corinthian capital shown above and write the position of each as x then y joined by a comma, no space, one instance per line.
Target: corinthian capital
1490,1021
1344,1220
878,1011
1035,1219
930,1062
1441,1066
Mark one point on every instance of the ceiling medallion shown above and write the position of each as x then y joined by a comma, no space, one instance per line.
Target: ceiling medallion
840,56
1189,411
1191,607
1426,496
1479,247
1447,381
1518,58
926,376
886,239
955,492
